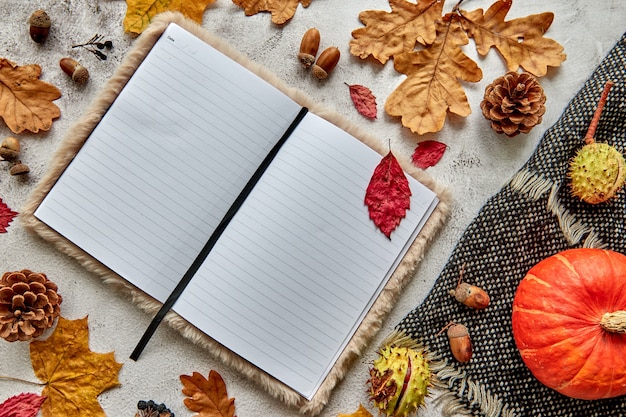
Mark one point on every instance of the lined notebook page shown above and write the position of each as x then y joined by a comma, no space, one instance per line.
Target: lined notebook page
301,263
166,162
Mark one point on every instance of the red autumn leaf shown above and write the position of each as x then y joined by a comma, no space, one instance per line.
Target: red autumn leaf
388,195
428,153
6,216
22,405
363,99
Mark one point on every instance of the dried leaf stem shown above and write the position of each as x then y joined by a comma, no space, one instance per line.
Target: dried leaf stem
10,378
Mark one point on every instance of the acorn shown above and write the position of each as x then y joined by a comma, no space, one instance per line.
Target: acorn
39,26
75,70
460,342
327,60
10,149
308,47
470,295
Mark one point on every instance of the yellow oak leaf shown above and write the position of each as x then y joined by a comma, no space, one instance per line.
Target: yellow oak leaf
361,412
281,10
432,86
520,41
25,100
139,13
390,33
207,396
73,375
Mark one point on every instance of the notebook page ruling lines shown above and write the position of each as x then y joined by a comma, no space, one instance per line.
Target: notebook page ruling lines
301,263
167,160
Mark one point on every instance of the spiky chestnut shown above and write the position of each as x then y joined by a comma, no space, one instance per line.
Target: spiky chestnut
598,170
399,380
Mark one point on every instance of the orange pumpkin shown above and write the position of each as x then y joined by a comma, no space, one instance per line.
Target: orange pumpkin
569,322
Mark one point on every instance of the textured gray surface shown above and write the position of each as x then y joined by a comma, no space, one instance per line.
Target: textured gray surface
476,165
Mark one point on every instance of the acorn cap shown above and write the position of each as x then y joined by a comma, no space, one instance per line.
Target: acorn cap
40,19
19,169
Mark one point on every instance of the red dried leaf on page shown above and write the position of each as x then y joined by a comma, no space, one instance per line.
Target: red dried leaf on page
22,405
363,99
428,153
388,195
6,216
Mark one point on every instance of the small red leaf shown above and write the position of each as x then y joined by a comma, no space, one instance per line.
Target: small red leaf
22,405
6,216
363,99
428,153
388,195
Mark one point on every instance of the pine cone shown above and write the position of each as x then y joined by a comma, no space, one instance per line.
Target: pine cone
514,103
29,303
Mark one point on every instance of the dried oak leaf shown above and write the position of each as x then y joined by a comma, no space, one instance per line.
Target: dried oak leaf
432,86
520,41
388,195
6,216
364,100
207,396
281,10
73,375
22,405
390,33
25,100
361,412
428,153
139,13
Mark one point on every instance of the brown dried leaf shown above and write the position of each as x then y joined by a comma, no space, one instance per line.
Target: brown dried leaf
432,86
390,33
25,100
139,13
520,41
281,10
73,375
207,397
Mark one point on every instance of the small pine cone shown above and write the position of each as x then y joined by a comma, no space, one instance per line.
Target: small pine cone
514,103
29,303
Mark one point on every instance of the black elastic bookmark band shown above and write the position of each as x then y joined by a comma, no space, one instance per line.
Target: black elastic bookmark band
214,237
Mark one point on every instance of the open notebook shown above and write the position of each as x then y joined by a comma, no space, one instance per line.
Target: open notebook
300,264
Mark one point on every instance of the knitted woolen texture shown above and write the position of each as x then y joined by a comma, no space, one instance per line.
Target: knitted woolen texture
531,218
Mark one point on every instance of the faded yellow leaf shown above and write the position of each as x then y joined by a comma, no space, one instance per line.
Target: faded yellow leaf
432,86
281,10
520,41
73,375
25,100
390,33
139,13
361,412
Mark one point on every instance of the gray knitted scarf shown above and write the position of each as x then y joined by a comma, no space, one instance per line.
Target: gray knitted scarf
531,218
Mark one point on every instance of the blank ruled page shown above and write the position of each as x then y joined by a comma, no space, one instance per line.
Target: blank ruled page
166,162
301,263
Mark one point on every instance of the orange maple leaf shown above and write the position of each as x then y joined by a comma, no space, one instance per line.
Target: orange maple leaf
432,86
520,41
139,13
25,100
390,33
208,397
281,10
72,374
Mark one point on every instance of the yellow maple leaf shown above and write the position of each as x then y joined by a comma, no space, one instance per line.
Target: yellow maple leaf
520,41
139,13
281,10
73,375
361,412
25,100
207,396
432,86
390,33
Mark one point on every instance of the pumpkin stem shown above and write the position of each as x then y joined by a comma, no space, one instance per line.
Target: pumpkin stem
614,322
